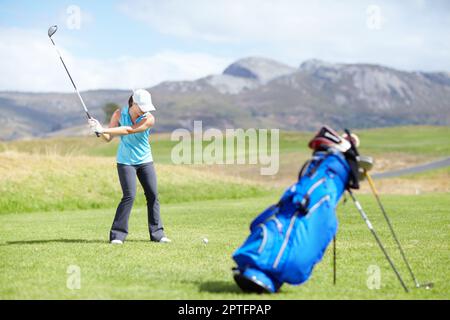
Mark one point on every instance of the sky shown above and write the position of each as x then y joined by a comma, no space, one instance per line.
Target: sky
119,44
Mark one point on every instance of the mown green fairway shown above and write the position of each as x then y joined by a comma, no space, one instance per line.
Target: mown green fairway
37,248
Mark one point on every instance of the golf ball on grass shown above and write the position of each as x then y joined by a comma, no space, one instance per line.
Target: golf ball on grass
205,240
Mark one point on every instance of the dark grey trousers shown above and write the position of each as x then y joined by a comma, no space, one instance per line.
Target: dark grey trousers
147,177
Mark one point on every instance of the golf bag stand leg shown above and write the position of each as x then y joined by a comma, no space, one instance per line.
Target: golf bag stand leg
372,230
334,260
394,235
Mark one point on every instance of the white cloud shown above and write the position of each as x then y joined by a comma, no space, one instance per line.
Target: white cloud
293,30
28,62
414,35
235,21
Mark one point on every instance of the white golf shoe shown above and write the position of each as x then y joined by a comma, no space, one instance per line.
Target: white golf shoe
165,240
116,241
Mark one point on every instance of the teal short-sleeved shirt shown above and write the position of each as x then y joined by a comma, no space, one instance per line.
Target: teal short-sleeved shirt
134,148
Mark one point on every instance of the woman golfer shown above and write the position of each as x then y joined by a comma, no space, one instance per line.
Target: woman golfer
134,158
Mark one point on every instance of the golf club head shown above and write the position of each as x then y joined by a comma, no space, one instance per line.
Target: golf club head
361,174
365,162
353,137
327,137
426,285
52,30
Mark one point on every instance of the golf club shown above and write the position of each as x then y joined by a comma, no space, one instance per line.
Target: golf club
51,31
372,230
380,204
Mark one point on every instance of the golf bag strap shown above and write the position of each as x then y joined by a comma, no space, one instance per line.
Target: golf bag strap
353,181
303,169
351,157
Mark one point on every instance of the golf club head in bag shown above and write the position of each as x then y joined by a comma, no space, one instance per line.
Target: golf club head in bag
365,164
327,137
352,138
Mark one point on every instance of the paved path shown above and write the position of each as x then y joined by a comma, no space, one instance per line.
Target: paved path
416,169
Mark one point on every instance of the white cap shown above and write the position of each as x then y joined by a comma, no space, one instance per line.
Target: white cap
144,100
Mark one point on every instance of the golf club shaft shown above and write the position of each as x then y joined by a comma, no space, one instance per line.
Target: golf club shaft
386,217
73,83
71,80
369,225
334,260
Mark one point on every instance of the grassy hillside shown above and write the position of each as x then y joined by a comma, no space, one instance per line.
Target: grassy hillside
80,173
417,140
53,182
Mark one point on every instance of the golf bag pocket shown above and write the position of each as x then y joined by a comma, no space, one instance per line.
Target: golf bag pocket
305,242
264,239
262,217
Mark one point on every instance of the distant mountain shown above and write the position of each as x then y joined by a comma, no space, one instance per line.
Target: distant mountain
260,69
255,92
38,114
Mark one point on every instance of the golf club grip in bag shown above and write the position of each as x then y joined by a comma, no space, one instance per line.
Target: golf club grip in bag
289,238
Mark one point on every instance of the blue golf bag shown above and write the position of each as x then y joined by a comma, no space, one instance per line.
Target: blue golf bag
287,239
